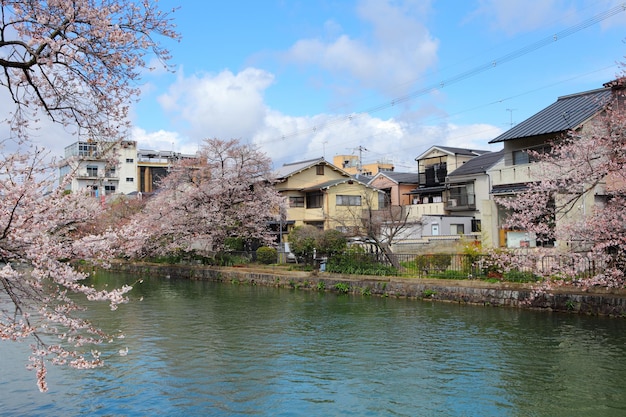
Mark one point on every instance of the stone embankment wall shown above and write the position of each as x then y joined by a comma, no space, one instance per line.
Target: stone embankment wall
566,299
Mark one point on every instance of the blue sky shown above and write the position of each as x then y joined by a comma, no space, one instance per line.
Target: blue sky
304,79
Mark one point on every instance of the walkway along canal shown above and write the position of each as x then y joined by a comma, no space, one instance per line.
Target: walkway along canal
595,301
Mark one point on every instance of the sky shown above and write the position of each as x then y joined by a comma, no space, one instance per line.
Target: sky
385,79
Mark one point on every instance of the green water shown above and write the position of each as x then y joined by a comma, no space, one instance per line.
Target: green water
198,348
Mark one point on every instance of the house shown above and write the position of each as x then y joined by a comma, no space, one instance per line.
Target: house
423,199
320,194
433,167
396,186
571,112
468,191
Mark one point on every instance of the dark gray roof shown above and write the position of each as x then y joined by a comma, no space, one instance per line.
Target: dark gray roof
509,188
451,151
363,178
461,151
402,177
568,112
478,165
294,167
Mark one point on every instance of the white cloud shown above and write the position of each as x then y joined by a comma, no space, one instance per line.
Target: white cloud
223,105
400,49
519,16
162,140
228,105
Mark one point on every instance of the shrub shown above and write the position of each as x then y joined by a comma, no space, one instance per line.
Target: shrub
356,261
266,255
431,263
519,276
303,240
331,242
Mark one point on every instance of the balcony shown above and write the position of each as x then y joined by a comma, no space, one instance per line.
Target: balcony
459,202
96,176
516,174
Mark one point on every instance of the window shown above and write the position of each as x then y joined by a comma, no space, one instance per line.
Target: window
87,149
314,200
109,189
130,160
384,199
319,169
130,179
348,200
92,171
520,157
319,225
457,229
476,227
296,201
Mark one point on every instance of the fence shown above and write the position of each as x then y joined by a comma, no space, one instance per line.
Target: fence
513,267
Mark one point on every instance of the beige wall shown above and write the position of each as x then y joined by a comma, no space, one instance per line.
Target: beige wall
309,178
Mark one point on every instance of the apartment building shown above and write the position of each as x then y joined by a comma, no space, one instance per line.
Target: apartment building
102,168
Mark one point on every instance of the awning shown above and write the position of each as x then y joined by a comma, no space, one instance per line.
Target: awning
508,188
427,190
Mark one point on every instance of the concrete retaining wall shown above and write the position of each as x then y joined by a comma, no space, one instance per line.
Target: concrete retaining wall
595,302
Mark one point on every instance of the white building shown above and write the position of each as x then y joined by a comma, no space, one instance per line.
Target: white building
104,168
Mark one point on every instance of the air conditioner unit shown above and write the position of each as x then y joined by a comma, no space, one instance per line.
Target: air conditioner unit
452,202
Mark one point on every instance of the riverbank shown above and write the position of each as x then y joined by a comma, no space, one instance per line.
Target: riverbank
596,301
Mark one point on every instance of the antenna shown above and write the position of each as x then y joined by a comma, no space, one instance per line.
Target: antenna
511,118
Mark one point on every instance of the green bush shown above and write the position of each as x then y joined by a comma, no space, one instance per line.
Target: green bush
303,240
356,261
266,255
331,242
519,276
430,263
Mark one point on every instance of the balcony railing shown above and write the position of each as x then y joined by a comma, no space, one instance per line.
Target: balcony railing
461,202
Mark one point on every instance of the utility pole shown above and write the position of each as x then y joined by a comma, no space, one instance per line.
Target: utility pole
360,165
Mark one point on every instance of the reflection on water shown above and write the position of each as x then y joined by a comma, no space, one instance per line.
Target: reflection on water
198,348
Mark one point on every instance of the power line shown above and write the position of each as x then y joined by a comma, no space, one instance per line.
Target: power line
466,74
492,103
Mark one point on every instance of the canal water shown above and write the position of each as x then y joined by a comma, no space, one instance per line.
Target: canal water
211,349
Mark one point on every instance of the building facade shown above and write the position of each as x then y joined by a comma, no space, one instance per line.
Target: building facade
101,168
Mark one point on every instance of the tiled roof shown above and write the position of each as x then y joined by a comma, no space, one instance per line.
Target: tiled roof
461,151
332,183
478,165
289,169
568,112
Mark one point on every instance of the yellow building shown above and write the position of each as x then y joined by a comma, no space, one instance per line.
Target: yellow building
352,165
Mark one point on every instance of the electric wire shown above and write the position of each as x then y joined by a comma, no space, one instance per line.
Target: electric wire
462,76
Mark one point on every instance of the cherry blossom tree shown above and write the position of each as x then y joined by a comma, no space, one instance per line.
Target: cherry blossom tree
77,63
580,199
38,235
225,193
